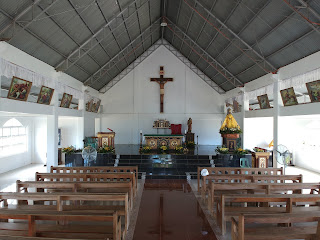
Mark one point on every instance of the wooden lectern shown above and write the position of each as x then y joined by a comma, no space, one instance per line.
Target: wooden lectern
106,138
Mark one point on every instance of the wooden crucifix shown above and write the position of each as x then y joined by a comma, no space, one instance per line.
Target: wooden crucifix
162,81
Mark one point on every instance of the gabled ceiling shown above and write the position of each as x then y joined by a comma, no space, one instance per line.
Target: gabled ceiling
230,41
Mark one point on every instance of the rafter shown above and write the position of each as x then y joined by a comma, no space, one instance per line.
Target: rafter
91,42
193,68
15,20
42,40
244,27
128,50
175,52
237,41
314,26
128,69
204,55
201,30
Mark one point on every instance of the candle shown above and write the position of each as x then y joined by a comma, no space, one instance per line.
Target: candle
185,131
140,131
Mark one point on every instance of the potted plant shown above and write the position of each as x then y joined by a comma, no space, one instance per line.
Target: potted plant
190,145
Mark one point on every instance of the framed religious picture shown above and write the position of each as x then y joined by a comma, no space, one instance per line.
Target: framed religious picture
19,89
89,105
264,101
236,106
45,95
93,108
97,106
314,90
288,97
66,100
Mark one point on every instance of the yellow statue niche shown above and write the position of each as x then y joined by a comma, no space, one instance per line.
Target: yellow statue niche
229,122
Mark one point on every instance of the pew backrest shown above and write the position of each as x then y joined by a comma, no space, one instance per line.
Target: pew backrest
238,170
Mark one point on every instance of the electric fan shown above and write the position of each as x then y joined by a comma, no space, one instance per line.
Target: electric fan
89,154
284,156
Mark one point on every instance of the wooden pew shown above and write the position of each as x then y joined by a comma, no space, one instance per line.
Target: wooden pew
224,212
242,178
98,169
90,187
95,177
61,198
238,170
253,226
216,189
32,224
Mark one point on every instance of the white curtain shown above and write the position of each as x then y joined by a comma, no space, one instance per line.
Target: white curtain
300,79
9,69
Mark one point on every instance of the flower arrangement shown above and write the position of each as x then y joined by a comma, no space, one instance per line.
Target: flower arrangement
222,150
226,130
178,149
256,149
68,150
190,145
163,148
240,151
106,149
145,149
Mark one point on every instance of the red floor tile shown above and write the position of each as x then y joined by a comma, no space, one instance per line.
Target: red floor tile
170,211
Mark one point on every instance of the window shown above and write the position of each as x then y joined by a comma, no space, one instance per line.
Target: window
13,138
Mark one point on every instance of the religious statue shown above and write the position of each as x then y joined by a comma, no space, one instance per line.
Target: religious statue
189,125
229,122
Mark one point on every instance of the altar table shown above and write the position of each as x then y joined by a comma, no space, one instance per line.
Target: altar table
156,140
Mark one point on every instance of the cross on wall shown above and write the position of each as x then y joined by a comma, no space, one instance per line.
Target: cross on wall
161,81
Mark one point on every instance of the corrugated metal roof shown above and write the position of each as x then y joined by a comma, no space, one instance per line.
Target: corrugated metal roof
271,28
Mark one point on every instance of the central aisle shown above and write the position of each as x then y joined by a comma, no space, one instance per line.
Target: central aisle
170,211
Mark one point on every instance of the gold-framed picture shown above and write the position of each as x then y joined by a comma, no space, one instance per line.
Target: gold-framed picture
264,101
66,100
19,89
45,95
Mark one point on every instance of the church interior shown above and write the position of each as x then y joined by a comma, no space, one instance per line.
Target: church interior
159,119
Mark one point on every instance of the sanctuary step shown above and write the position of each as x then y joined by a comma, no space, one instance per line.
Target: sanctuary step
160,166
156,166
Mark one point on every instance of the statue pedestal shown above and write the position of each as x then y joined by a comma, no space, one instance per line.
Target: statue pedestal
230,141
189,137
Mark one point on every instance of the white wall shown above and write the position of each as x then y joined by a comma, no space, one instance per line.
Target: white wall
300,135
40,140
133,103
258,132
70,132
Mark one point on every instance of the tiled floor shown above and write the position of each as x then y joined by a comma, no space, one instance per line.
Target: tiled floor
170,211
8,179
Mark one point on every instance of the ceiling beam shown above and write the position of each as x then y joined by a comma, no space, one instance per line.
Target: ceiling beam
42,40
201,30
204,55
193,68
178,15
124,22
15,19
112,33
137,42
258,59
256,14
100,35
217,33
314,26
133,65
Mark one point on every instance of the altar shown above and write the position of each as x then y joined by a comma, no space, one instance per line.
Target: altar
157,140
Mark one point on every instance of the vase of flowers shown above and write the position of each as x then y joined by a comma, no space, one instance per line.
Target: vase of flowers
68,150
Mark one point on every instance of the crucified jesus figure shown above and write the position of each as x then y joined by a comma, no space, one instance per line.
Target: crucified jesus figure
161,81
